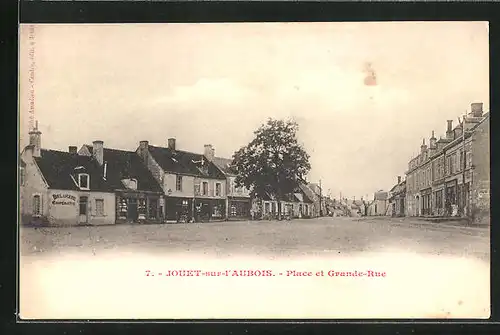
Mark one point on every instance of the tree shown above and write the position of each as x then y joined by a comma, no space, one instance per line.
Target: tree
273,162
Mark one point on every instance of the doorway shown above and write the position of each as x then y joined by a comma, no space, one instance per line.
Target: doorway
132,214
417,206
83,210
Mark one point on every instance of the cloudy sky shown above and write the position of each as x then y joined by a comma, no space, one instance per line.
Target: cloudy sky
216,83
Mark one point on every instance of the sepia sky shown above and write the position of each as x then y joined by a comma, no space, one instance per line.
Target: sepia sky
216,83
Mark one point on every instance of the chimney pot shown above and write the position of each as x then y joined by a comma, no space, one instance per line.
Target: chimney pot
450,125
477,109
399,179
98,151
209,152
171,143
36,140
72,149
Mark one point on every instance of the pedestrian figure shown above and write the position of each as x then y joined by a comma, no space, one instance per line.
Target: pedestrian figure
448,208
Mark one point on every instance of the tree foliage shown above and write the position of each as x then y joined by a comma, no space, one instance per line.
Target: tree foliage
273,162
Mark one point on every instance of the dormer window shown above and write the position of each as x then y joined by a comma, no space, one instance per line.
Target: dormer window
130,183
84,181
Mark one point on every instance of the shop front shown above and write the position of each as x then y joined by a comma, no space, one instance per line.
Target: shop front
239,208
139,207
426,201
209,210
451,202
438,204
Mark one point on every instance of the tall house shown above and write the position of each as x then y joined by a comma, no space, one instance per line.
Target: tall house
139,197
193,186
451,177
63,188
238,200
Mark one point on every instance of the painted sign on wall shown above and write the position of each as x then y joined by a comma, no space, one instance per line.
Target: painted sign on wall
63,199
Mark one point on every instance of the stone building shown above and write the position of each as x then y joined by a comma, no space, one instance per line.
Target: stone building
238,200
297,205
397,199
379,204
63,188
451,177
194,187
139,197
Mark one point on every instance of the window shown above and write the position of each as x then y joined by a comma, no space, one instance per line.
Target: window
196,187
37,205
99,207
83,181
83,205
205,188
218,189
454,164
178,183
233,210
461,161
130,183
22,175
467,159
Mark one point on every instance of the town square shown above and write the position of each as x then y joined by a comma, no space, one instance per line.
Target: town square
267,170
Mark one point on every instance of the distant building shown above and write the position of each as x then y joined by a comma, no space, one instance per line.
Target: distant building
451,177
397,199
379,204
296,205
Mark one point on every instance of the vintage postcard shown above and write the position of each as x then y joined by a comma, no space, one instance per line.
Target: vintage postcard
254,171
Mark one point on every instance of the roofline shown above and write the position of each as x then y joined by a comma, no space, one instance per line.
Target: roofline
41,174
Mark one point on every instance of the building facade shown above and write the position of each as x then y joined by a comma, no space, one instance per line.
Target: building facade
397,199
62,188
238,200
451,177
379,204
139,197
194,188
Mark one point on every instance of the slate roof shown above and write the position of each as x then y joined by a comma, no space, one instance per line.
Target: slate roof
224,164
123,164
306,190
58,167
183,162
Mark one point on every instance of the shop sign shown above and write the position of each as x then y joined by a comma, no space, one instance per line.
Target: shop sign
63,199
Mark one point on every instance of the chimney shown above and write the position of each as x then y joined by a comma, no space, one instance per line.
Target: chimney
477,109
449,130
423,147
432,141
98,151
28,151
171,143
72,149
209,152
399,180
36,140
143,150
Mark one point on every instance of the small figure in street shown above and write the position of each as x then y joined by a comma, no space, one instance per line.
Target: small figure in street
447,208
